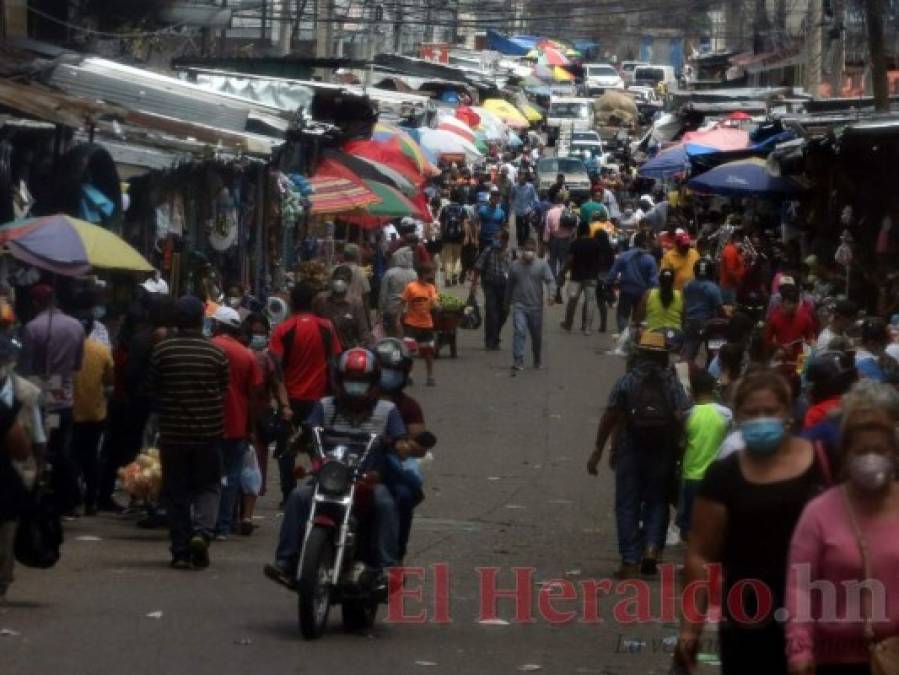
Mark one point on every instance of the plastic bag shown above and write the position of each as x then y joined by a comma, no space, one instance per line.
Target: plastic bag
471,317
251,476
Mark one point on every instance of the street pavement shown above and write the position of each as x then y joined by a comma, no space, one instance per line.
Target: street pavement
507,488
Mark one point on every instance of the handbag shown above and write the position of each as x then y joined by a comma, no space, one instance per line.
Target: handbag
885,653
39,532
471,317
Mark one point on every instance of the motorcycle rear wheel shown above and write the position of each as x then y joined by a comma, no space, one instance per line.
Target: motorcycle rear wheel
314,585
359,614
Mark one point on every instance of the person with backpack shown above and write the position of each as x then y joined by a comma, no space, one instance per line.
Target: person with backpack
645,412
452,234
634,272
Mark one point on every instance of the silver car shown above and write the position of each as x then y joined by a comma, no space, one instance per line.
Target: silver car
577,180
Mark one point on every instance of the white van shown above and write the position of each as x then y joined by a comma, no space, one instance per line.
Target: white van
567,114
651,76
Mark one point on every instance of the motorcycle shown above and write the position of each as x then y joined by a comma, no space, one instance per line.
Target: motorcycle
714,335
331,568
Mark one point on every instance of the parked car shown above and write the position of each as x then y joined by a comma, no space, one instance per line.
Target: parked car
568,114
627,70
601,76
577,179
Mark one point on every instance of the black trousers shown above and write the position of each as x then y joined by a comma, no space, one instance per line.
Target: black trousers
191,489
124,436
287,458
494,313
86,453
64,477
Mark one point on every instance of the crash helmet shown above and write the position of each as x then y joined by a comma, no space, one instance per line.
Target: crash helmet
395,360
829,374
357,374
704,268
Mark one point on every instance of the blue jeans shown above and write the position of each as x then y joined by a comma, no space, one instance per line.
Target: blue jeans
626,304
385,541
689,489
527,320
642,479
233,451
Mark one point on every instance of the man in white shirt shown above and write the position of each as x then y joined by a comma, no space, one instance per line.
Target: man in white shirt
844,314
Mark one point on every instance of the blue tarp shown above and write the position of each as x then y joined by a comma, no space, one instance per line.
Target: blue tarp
516,46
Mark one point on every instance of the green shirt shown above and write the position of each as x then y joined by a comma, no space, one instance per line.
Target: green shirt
707,425
659,317
590,207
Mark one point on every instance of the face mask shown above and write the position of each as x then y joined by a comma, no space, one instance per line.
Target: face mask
234,303
258,342
392,380
529,256
763,435
870,471
99,312
339,286
356,389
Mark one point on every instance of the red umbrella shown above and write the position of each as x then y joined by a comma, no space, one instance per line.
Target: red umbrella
469,116
739,116
337,195
389,154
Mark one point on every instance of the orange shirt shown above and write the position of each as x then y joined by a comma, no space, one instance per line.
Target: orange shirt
732,267
420,298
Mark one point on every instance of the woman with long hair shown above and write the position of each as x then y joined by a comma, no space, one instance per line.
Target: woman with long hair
661,308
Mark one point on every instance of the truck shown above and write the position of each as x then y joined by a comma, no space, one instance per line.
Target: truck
566,115
615,119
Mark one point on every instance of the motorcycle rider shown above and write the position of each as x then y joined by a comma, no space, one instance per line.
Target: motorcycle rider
404,479
702,303
356,408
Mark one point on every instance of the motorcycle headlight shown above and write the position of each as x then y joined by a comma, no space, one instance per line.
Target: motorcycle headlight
334,478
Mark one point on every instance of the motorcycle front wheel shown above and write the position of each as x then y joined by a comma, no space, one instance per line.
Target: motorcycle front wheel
314,585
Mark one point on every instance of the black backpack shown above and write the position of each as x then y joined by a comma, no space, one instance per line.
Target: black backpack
452,219
651,418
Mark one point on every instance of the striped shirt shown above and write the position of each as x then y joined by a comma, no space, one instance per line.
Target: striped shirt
188,377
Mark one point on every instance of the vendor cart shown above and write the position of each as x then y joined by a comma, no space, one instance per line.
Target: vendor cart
446,323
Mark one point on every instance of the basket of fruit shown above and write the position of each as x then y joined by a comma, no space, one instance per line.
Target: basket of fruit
446,321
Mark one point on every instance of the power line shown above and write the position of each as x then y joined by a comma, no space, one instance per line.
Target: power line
81,29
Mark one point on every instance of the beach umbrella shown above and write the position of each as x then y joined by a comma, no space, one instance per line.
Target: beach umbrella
667,163
393,204
543,72
456,126
437,142
385,133
562,75
70,246
389,154
739,116
552,56
507,112
514,140
745,177
530,112
357,168
338,195
469,116
719,138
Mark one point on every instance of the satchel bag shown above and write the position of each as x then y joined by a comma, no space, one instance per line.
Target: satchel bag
885,653
39,532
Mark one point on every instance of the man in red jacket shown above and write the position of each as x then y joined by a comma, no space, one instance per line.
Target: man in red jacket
732,270
789,325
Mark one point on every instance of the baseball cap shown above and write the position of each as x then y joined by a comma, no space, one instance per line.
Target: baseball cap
227,317
155,286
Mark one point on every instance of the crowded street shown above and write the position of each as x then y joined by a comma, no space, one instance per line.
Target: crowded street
507,488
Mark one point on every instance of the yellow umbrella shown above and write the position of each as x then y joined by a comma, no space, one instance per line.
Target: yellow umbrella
507,112
561,75
530,112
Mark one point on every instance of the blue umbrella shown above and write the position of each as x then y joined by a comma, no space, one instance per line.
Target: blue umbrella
514,140
667,163
742,178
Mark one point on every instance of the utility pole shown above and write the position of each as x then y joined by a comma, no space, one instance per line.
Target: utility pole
285,28
879,85
814,46
837,47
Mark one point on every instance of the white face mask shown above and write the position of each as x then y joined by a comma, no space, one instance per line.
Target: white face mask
356,389
528,256
870,471
339,286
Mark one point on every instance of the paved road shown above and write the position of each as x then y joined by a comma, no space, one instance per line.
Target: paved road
508,488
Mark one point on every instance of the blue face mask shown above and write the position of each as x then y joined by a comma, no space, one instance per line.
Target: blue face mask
356,389
763,435
258,342
99,312
392,380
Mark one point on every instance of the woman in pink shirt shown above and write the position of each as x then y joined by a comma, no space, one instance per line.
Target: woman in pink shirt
826,632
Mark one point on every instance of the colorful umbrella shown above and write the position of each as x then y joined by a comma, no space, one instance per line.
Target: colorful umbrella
746,177
543,72
338,195
343,165
719,138
389,154
562,75
385,132
667,163
530,112
552,56
456,126
393,202
437,142
469,116
66,245
739,116
507,112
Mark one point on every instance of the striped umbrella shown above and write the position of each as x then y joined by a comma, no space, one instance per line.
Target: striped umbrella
456,126
355,167
385,132
339,195
69,246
